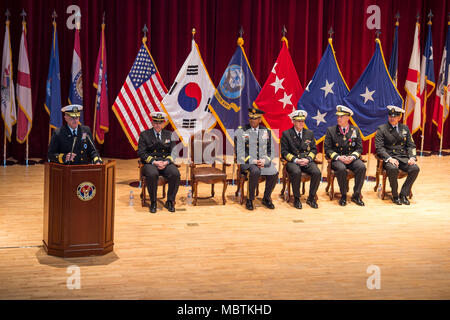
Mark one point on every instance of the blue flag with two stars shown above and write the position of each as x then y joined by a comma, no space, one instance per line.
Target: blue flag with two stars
370,96
324,92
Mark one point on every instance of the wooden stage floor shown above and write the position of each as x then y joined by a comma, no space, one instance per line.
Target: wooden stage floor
226,252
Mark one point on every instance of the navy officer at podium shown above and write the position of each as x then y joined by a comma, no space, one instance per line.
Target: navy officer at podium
343,145
155,151
255,152
73,143
395,146
298,148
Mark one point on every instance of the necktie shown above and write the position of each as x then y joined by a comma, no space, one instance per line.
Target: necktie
74,132
158,136
299,136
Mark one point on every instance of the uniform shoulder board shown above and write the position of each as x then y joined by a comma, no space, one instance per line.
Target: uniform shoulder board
240,127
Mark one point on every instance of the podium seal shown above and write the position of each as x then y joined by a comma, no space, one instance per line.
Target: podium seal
86,191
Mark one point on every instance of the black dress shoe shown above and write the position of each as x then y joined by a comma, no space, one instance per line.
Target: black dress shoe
397,201
153,207
312,203
297,204
249,205
268,203
357,199
404,199
169,206
343,201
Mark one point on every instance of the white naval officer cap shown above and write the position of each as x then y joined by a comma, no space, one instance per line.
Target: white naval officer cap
395,111
298,115
72,110
343,110
158,117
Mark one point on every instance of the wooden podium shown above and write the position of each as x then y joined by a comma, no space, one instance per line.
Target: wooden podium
79,209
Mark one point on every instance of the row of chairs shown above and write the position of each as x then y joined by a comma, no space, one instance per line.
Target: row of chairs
210,174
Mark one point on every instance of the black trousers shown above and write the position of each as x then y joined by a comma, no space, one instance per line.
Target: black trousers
254,174
170,172
295,175
392,173
340,171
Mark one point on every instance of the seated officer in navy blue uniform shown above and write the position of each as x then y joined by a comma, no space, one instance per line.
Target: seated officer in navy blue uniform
343,145
73,143
395,145
298,148
254,153
155,150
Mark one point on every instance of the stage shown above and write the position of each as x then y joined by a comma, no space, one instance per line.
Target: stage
213,251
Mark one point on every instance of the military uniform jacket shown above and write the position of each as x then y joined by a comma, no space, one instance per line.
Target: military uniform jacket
293,148
390,143
336,144
250,147
151,149
62,141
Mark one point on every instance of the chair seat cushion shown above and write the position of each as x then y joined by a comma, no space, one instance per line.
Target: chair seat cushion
208,173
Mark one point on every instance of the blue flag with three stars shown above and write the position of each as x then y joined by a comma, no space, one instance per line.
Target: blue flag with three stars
326,89
370,96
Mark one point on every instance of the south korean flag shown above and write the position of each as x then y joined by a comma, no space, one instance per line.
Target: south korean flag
186,103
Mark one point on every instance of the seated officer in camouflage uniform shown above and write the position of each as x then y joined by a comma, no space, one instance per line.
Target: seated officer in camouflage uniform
254,153
155,150
72,143
395,145
343,145
298,148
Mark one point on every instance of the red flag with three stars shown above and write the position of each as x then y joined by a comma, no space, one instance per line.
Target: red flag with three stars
280,94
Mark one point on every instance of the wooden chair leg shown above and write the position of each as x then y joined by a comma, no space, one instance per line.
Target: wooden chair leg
331,190
224,200
195,193
383,187
212,190
241,187
164,191
283,179
303,187
377,180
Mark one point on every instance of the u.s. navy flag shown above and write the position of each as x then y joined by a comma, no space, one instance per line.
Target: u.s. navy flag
235,94
324,92
371,94
280,94
140,95
186,104
53,88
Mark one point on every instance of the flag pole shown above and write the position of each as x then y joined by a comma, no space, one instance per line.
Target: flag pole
424,112
443,123
4,149
368,157
26,153
95,103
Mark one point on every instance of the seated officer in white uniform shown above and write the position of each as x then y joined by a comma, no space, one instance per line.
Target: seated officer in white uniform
395,145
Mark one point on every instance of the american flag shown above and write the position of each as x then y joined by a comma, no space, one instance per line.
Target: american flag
140,95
